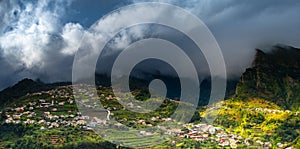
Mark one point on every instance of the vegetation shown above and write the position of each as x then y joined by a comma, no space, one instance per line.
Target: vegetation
275,76
265,108
259,119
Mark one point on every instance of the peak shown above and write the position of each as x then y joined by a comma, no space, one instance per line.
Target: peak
259,51
27,83
20,89
277,55
26,80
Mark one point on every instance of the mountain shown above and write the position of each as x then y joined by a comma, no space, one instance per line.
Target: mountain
23,87
142,81
274,76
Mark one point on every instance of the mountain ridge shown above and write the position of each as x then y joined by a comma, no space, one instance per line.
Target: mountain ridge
274,76
25,86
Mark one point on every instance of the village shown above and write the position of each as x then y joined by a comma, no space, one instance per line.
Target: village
205,132
48,113
51,113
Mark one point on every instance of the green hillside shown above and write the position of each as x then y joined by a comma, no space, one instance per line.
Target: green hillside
260,120
274,76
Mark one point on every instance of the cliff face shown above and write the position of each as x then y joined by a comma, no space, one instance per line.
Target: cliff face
274,76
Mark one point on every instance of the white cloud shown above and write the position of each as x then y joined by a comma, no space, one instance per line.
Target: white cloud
72,34
30,34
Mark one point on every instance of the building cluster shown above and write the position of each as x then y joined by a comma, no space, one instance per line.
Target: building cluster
205,132
49,112
268,111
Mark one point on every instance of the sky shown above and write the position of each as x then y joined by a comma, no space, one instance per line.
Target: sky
38,39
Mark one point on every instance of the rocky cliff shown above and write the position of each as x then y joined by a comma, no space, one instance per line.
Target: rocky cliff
274,76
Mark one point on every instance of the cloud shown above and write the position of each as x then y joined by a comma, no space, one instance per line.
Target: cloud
239,26
242,26
72,34
36,42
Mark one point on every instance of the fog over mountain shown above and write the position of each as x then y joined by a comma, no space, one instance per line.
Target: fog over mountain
39,39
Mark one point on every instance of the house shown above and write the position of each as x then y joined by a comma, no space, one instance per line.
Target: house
267,145
153,119
224,142
145,134
84,117
41,122
199,138
55,117
81,122
233,145
70,101
26,113
280,145
17,122
61,103
42,100
259,143
166,119
212,130
28,121
96,120
45,104
16,116
92,124
9,120
55,124
20,109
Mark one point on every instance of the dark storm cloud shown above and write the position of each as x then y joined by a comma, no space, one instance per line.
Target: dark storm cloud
241,26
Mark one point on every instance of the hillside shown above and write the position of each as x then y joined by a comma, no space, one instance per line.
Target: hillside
274,76
50,119
23,87
260,121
